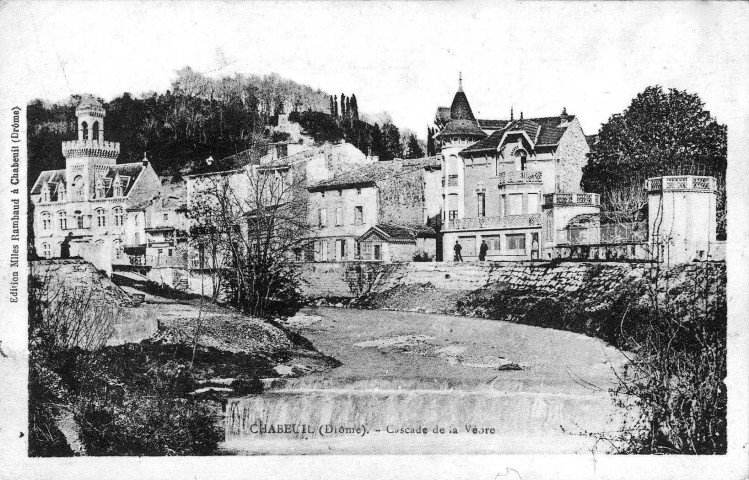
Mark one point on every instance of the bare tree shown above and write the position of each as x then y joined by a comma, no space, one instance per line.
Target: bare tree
255,221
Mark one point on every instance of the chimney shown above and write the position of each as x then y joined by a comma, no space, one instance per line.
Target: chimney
563,116
145,160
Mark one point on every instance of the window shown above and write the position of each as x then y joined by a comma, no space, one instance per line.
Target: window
452,181
166,216
340,249
84,128
118,190
78,186
532,203
101,217
323,217
358,215
100,190
514,204
482,204
46,221
522,159
78,219
377,251
340,192
339,216
137,220
118,248
45,194
452,215
95,131
324,251
46,250
492,241
169,252
61,193
119,218
358,191
322,194
516,241
357,249
63,218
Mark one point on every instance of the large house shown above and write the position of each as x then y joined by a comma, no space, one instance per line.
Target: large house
509,183
85,204
377,212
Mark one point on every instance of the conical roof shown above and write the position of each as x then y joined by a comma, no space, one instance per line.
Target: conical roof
460,109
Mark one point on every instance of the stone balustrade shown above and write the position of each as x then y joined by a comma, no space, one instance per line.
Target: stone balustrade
90,148
523,176
684,182
577,199
507,221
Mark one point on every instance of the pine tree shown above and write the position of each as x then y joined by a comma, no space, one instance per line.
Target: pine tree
332,106
354,107
413,149
343,105
391,140
431,150
348,107
335,106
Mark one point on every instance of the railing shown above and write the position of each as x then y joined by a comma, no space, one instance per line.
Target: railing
508,221
523,176
592,199
685,182
98,148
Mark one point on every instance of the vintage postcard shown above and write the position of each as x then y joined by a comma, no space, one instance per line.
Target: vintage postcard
358,239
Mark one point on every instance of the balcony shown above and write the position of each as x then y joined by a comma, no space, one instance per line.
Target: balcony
572,199
687,182
521,177
508,221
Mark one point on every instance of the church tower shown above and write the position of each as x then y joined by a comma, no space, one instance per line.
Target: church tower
88,159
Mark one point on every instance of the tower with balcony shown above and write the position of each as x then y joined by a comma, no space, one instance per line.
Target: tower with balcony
682,218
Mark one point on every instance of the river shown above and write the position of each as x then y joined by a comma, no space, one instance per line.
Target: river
432,384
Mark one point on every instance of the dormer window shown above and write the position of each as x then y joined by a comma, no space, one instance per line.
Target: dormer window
61,193
118,190
45,194
521,159
100,190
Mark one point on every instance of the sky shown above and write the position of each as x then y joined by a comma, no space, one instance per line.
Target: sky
400,57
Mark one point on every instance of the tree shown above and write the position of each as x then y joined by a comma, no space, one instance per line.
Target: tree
354,107
431,148
660,133
335,106
413,148
391,142
253,224
343,106
332,106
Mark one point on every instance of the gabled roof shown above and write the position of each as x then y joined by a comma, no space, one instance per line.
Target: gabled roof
543,131
55,176
390,232
492,124
364,176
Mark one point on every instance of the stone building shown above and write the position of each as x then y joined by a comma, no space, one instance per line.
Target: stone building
87,201
358,214
509,183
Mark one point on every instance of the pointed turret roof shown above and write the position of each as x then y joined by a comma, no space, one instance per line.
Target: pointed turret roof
462,121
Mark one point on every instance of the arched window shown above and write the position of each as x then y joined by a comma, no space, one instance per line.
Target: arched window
95,131
78,186
46,250
84,129
119,218
46,221
63,218
100,191
118,190
101,217
78,219
522,158
61,192
45,193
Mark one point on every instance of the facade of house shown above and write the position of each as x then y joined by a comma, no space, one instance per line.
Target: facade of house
509,183
377,199
85,204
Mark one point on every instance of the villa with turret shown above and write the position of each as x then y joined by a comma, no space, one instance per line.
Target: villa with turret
86,203
509,183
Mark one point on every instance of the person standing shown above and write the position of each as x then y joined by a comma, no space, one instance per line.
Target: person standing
458,248
482,250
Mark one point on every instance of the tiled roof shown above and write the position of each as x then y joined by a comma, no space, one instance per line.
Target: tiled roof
364,176
55,176
544,131
460,108
443,114
461,127
391,231
492,124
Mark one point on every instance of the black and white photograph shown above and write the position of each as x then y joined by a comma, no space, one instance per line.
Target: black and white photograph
374,239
